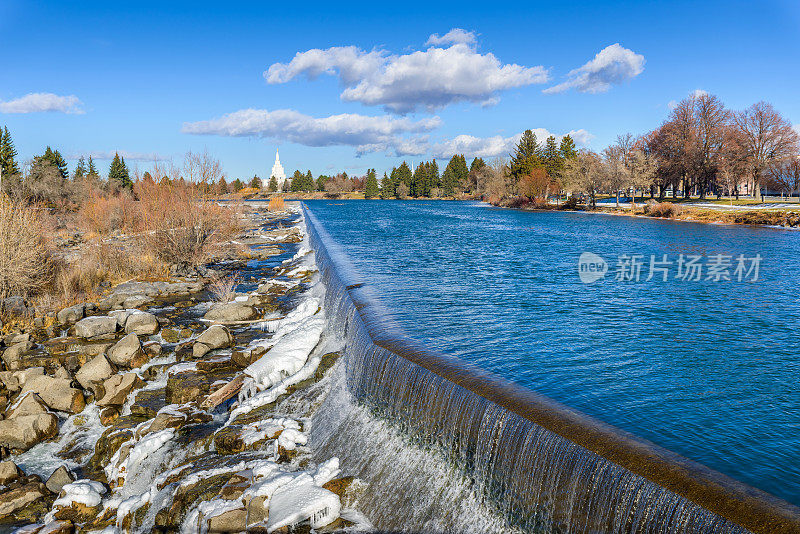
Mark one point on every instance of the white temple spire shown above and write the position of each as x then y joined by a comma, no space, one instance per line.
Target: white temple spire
277,172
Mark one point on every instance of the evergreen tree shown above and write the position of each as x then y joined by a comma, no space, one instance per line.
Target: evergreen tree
80,169
55,158
91,172
237,185
551,158
8,154
255,183
308,182
403,175
387,187
477,164
371,190
527,156
321,182
272,187
118,173
454,174
432,178
222,186
297,182
419,180
567,148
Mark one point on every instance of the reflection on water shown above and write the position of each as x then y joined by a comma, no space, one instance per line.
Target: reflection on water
707,369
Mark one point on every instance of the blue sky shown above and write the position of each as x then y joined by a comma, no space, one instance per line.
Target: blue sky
158,79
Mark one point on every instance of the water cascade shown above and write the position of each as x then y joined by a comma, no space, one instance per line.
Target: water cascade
540,465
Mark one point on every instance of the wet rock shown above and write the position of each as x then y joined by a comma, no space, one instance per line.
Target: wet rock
12,356
228,312
245,357
93,372
58,479
21,497
186,387
57,393
28,404
9,472
148,402
108,415
215,337
170,335
96,327
118,387
128,352
120,431
152,348
230,521
25,431
72,314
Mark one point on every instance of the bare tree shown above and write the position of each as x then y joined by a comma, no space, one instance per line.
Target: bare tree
616,168
768,139
711,120
642,169
785,176
585,174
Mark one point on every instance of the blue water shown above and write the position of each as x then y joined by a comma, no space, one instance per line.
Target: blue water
708,369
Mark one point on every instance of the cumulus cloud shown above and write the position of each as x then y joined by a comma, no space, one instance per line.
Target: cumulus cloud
366,133
488,147
41,102
454,36
611,66
429,79
697,93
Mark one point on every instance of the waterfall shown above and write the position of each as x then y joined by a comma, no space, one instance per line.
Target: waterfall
482,454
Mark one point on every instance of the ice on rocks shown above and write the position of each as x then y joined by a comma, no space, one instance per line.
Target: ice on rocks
84,491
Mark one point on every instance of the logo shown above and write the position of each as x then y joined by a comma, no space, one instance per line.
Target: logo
591,267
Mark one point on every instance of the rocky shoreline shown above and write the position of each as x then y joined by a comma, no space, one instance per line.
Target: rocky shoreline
160,408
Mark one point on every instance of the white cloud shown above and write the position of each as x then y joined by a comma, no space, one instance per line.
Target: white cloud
697,93
797,128
41,102
488,147
127,155
611,66
367,134
429,79
454,36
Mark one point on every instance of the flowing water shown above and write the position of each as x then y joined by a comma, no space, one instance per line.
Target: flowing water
706,368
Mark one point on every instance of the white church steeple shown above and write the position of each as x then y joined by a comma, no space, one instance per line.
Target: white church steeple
277,171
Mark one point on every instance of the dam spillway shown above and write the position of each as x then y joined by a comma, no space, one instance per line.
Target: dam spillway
538,464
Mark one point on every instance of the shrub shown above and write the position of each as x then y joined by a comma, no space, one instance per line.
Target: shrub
24,255
224,288
106,213
275,204
662,209
570,204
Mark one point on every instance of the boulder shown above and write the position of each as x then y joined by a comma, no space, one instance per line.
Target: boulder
57,393
170,335
215,337
60,372
230,521
94,371
97,327
228,312
13,354
10,381
141,323
28,404
21,497
60,478
27,430
71,315
9,472
24,375
128,352
186,387
243,358
152,348
118,387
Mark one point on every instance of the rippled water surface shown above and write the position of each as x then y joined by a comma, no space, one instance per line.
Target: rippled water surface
707,369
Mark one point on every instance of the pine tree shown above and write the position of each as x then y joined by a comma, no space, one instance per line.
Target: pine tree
403,176
297,182
255,183
272,187
237,185
80,169
387,187
527,156
222,186
477,164
454,174
321,182
418,181
118,173
308,182
567,148
92,170
371,188
551,158
55,158
8,154
432,178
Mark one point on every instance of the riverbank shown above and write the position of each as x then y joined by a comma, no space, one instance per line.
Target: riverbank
178,405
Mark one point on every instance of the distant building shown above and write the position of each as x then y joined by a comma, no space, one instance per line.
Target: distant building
277,173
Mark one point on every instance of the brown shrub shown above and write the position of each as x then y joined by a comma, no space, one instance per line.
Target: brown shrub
275,204
24,255
106,213
666,210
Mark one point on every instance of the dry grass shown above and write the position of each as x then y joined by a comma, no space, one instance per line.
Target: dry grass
25,265
224,288
275,204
